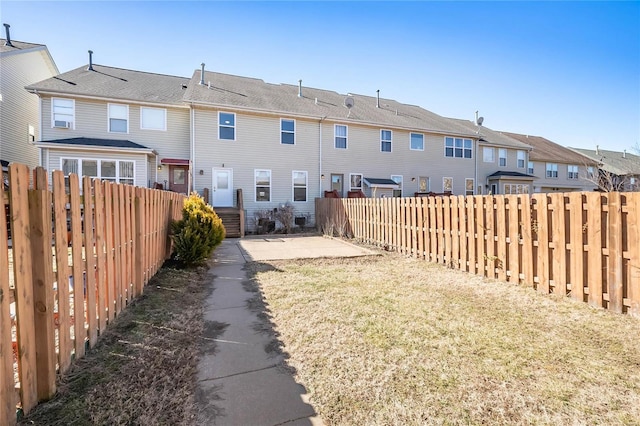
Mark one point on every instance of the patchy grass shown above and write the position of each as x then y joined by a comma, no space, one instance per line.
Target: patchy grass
142,371
389,340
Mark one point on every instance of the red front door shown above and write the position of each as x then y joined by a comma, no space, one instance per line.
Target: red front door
178,181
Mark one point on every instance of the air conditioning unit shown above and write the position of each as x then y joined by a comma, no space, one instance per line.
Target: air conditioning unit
61,124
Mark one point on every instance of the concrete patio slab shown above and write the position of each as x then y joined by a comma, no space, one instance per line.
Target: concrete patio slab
262,248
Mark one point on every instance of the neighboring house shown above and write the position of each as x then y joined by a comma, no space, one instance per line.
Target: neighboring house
556,168
21,64
115,124
617,171
500,164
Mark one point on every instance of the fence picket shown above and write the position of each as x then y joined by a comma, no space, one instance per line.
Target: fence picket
526,233
7,393
633,242
471,233
101,258
89,247
514,238
614,245
77,267
576,231
501,238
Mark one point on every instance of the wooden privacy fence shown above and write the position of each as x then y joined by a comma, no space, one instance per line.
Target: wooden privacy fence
582,244
73,262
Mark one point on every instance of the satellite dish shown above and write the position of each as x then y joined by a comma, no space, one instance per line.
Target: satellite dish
349,102
480,120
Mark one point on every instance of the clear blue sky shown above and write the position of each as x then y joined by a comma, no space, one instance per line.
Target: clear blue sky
568,71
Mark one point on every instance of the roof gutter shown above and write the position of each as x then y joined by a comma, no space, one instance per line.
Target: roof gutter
100,98
55,145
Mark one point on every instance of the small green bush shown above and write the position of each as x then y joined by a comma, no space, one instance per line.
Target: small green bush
198,233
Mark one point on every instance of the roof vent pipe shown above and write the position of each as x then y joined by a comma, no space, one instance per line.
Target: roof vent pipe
378,98
202,74
299,88
624,153
597,149
6,30
90,67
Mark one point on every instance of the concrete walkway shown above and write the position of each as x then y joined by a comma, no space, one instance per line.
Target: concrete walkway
241,376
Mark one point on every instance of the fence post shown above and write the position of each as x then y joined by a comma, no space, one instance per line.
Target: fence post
42,270
7,392
23,279
614,244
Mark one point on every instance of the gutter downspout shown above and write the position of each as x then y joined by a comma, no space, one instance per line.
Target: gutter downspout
192,149
40,152
320,157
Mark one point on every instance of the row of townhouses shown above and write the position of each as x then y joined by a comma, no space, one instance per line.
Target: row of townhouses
279,143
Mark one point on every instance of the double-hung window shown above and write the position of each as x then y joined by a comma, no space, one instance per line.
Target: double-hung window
397,179
118,118
287,131
530,167
552,170
340,133
227,126
502,157
488,155
355,181
469,184
572,171
522,156
416,142
263,185
458,148
385,140
447,184
299,185
153,118
423,184
63,113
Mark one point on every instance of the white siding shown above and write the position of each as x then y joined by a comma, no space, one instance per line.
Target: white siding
19,108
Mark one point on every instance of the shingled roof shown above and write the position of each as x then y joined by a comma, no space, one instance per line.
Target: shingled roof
545,150
96,143
491,136
17,45
254,94
116,83
615,162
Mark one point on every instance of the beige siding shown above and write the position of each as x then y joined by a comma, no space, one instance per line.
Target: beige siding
54,156
19,108
363,155
257,146
562,183
488,168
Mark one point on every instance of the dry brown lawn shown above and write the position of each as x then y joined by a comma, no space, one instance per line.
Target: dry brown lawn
388,341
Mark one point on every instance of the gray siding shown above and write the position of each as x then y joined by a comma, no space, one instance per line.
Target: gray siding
91,120
562,183
363,155
257,146
19,108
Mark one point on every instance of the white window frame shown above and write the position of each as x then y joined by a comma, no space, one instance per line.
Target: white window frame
411,141
501,157
401,184
551,171
427,179
454,148
226,126
31,131
591,172
573,171
384,141
515,188
530,167
164,119
466,186
293,186
99,161
282,131
255,184
73,113
485,151
335,136
521,157
444,187
109,105
356,188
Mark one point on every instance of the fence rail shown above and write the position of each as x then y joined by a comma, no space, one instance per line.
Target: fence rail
72,263
582,244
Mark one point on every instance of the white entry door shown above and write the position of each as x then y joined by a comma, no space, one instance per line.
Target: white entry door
222,194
